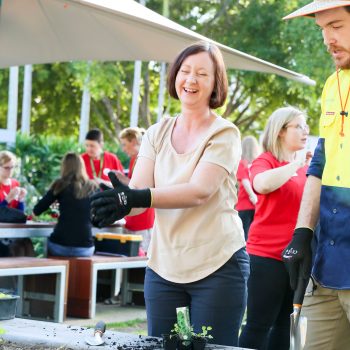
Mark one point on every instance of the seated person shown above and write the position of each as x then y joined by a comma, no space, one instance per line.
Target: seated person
139,224
72,236
99,163
12,196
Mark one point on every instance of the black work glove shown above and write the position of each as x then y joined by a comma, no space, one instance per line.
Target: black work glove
297,256
111,205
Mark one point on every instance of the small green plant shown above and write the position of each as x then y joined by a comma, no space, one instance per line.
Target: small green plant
175,331
204,333
178,331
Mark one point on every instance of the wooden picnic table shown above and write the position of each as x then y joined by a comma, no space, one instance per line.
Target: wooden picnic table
48,283
33,229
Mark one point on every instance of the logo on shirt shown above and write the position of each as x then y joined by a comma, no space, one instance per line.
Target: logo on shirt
330,113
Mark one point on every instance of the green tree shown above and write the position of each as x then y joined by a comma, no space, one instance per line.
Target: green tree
252,26
256,27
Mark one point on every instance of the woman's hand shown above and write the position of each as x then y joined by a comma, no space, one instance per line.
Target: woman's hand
22,194
301,162
253,198
121,177
100,181
111,205
308,158
13,194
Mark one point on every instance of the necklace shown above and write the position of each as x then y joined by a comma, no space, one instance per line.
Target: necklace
93,166
342,112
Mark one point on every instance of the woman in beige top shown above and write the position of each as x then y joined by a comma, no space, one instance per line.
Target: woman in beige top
197,255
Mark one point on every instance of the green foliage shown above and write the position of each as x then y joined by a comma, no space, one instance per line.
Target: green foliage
256,27
252,26
204,333
40,160
177,331
136,326
39,244
4,75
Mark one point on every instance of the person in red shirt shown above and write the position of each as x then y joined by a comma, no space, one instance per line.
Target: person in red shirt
12,195
142,224
278,176
99,163
246,196
139,224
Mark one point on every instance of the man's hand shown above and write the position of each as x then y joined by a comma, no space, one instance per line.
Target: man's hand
297,256
111,205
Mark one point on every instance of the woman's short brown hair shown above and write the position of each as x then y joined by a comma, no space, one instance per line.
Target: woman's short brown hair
218,96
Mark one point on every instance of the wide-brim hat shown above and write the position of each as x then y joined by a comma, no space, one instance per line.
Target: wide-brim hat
317,6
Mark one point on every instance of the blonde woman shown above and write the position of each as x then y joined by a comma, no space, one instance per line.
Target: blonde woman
246,196
11,194
72,235
278,177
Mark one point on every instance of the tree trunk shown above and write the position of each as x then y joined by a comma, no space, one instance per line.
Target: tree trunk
144,108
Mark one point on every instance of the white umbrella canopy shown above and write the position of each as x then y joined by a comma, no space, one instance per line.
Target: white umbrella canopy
44,31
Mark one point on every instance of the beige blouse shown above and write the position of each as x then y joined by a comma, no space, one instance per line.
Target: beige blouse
190,244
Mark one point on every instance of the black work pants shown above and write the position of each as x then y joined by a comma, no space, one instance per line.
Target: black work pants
247,217
270,303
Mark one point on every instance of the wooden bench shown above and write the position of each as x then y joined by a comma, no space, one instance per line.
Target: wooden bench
82,281
41,284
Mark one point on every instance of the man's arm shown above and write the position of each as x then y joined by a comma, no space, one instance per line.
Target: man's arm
297,256
310,203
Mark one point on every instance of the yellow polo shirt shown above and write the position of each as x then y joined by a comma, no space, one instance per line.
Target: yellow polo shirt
337,147
331,163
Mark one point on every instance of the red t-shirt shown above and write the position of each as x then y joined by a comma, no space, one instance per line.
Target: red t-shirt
243,202
276,212
143,221
5,190
110,162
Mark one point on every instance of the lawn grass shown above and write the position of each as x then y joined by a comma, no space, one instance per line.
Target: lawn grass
136,326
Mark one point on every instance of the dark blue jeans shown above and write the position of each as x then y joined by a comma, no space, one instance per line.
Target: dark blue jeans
218,300
247,217
61,250
270,303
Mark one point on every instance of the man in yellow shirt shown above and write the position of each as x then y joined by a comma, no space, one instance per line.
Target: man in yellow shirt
327,195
